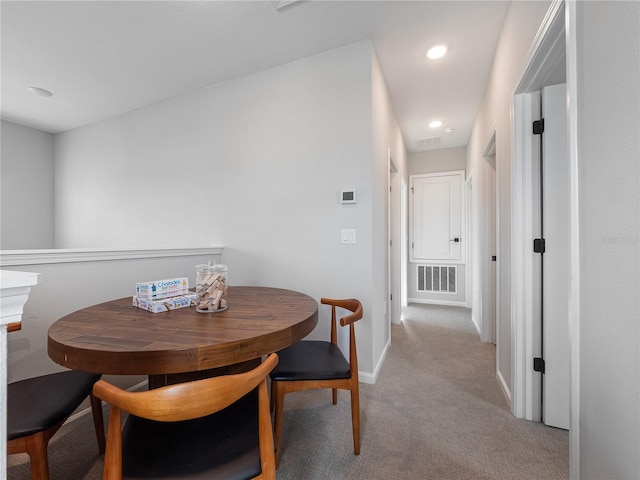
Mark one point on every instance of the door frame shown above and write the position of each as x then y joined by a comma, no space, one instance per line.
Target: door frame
394,277
555,42
490,283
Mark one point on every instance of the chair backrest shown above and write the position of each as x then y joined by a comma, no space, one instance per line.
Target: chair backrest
186,401
355,307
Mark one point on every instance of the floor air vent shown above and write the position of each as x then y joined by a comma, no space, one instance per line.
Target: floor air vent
437,278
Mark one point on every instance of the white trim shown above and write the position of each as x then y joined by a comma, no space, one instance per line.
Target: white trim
535,67
490,148
542,57
469,265
498,254
504,386
488,286
372,378
437,262
474,320
81,413
14,292
72,255
449,303
394,254
525,388
574,299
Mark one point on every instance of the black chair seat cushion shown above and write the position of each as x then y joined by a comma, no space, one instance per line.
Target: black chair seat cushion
222,445
37,404
311,360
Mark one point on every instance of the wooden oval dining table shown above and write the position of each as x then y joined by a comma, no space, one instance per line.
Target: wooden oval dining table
119,339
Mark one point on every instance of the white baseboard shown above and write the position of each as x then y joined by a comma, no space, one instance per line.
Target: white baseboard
505,388
371,378
81,413
449,303
474,320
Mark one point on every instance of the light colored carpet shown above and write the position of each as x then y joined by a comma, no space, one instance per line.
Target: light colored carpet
436,412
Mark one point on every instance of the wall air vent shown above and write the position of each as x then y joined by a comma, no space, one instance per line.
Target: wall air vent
429,142
437,278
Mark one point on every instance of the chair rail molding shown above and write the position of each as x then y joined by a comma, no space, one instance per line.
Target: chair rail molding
10,258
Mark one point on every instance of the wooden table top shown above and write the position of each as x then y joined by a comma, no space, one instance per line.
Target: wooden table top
117,338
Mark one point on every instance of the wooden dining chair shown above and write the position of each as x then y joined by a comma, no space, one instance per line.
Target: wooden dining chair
214,428
37,407
319,364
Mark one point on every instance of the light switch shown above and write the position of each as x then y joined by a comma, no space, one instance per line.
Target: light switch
348,235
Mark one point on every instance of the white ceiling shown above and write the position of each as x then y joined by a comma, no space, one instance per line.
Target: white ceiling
104,58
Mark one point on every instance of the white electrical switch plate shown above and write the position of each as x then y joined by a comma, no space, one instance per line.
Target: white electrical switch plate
348,235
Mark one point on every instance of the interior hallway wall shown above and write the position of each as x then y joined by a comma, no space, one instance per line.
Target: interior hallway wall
608,106
434,161
387,140
26,191
255,165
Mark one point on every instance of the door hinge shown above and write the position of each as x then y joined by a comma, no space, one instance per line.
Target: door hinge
391,296
538,364
538,127
493,258
538,245
411,189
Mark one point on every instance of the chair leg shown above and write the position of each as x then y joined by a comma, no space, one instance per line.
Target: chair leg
277,418
355,418
36,447
335,395
98,421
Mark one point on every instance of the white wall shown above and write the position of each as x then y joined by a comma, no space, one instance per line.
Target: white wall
387,139
608,58
256,165
71,285
520,27
434,161
26,191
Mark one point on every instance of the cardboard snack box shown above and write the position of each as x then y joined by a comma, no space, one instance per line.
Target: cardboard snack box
171,287
165,304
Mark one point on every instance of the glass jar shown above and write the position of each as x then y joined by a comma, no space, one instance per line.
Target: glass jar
211,288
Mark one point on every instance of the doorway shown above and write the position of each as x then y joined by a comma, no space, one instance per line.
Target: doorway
554,214
547,64
394,277
490,291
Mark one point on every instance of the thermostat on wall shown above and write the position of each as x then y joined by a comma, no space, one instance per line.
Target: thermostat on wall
348,195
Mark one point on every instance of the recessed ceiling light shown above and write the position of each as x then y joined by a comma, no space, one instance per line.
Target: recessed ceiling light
437,51
448,131
41,92
435,124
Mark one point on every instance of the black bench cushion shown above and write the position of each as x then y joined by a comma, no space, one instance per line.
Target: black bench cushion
311,360
222,445
37,404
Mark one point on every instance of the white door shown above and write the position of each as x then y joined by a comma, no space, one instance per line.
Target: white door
556,258
436,223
